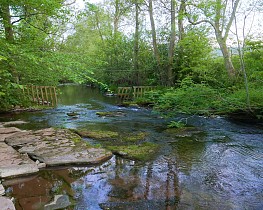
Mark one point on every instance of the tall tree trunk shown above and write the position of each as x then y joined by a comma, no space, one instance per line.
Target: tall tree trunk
5,13
116,17
154,40
170,74
219,24
181,19
226,55
136,42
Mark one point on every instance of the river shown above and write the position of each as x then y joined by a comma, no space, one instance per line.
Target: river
219,168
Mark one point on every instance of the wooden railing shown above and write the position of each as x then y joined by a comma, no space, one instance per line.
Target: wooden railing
41,95
126,93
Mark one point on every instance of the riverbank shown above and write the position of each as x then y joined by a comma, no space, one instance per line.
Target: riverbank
25,152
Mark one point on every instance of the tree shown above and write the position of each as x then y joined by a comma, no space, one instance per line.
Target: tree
170,74
214,13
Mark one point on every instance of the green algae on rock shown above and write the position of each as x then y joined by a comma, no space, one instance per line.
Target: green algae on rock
141,152
184,131
99,134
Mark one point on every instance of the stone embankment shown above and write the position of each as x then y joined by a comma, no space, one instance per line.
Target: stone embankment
25,152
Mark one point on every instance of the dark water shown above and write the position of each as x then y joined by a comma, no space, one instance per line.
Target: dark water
221,168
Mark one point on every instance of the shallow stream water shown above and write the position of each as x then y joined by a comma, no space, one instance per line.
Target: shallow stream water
221,168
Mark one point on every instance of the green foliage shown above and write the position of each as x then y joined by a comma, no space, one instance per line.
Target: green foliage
193,55
190,98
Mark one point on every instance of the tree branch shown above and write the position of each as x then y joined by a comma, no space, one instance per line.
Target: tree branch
201,21
233,14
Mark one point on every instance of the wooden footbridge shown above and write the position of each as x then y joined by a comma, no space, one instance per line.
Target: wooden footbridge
127,93
41,95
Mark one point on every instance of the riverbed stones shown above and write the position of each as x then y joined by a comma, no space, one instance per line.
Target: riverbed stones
6,203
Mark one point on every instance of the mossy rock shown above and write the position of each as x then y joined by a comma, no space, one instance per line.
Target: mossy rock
99,135
184,131
141,152
72,114
110,114
134,137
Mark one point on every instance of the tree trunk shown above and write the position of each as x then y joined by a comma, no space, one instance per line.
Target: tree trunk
5,13
180,19
136,42
154,40
226,55
116,17
170,74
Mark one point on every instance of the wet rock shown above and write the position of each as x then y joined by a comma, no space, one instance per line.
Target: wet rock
142,152
62,156
54,147
97,134
2,190
21,138
60,202
51,147
110,114
184,131
12,163
9,130
6,203
18,170
72,114
17,122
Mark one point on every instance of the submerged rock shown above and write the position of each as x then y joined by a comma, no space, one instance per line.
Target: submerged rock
111,114
72,114
142,152
184,131
99,134
60,202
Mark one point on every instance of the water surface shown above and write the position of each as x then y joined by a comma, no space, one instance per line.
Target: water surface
219,168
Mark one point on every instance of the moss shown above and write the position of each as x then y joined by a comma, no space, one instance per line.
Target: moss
184,131
142,152
134,137
100,135
110,114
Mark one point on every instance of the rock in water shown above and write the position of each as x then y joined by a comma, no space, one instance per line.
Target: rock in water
60,202
6,203
2,189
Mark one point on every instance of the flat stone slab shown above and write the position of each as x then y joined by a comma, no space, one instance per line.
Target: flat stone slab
12,163
6,203
85,156
56,147
7,130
